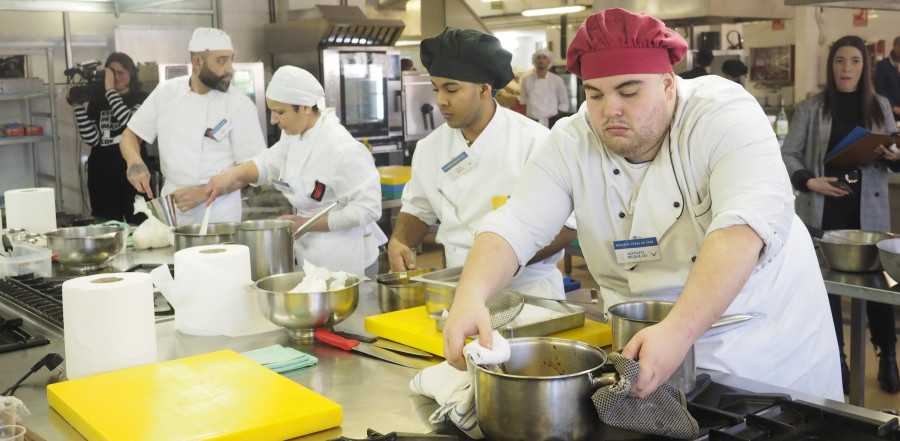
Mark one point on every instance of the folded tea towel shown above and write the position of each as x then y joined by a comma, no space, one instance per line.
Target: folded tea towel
281,359
481,356
661,413
453,389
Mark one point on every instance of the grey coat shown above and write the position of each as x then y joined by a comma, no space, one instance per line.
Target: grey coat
804,148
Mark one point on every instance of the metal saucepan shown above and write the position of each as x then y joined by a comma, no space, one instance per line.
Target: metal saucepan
543,392
396,292
309,223
271,246
628,318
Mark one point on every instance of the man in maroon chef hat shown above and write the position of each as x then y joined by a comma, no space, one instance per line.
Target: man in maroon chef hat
680,194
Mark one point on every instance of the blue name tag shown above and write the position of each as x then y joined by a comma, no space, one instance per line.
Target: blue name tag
636,250
457,166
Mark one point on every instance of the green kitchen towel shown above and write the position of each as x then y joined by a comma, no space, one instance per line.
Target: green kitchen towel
281,359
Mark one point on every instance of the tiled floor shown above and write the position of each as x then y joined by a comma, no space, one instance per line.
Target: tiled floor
875,398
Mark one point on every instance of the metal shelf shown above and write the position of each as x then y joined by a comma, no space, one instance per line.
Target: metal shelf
23,96
25,139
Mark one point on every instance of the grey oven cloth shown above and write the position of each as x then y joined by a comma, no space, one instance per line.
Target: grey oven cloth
662,413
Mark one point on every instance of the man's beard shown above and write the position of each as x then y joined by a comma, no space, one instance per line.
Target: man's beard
213,81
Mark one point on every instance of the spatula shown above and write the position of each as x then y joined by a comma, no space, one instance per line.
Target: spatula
204,224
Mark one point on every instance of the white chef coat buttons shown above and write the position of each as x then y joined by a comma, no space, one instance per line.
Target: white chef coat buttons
622,215
616,171
677,204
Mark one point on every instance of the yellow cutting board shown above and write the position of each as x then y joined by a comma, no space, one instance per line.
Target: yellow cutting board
413,327
216,396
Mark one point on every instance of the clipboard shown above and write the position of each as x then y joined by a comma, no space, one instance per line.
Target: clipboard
857,149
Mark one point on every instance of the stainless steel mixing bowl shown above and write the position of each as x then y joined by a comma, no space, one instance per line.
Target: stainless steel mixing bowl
889,252
852,250
86,248
302,313
187,236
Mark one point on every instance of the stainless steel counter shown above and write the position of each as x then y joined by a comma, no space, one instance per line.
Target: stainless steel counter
374,394
860,287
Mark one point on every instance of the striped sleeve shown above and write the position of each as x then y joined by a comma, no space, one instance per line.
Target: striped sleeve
120,111
87,128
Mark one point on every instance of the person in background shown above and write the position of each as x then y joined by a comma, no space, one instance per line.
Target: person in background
687,177
406,65
315,163
836,198
887,78
101,125
543,93
204,126
468,166
734,70
701,65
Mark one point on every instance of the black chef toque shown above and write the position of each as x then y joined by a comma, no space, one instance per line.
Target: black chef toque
467,55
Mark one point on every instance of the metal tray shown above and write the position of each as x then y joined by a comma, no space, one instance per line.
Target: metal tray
440,287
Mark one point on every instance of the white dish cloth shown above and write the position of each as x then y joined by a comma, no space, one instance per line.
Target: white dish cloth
452,388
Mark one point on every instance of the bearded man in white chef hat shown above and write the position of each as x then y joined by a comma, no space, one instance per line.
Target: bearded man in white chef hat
203,126
543,93
315,164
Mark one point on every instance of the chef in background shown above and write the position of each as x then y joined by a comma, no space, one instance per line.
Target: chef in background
315,163
204,126
468,166
680,194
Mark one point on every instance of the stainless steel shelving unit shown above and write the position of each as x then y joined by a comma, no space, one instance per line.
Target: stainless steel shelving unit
28,97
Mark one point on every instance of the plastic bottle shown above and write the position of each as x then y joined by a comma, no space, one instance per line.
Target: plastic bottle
781,125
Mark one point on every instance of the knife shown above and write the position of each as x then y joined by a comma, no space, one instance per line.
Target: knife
372,350
372,435
386,344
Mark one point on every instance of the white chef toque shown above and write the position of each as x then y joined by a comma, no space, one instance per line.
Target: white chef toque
293,85
210,39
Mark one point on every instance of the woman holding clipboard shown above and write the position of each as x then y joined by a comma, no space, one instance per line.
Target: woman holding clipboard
846,197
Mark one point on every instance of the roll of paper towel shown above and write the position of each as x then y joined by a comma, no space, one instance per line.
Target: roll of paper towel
33,209
108,323
213,293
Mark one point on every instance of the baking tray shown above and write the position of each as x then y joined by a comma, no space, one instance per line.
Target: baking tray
440,287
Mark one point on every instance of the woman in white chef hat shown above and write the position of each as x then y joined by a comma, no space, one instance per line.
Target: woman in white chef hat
316,162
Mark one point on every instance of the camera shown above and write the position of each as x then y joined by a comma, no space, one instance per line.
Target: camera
89,81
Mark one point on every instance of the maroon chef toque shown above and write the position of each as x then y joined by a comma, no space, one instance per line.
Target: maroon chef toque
618,42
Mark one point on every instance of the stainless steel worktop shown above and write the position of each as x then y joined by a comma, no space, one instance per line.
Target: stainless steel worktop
374,394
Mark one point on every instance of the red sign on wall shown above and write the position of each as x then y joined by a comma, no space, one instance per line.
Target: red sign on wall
777,25
860,17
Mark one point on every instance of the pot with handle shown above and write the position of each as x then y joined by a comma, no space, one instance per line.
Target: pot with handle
628,318
271,246
543,392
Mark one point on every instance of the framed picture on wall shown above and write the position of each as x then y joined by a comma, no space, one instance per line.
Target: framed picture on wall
772,65
12,66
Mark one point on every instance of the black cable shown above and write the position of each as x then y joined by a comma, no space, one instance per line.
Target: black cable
51,360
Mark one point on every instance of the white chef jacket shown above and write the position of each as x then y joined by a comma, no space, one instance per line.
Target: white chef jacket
719,166
180,118
497,158
319,167
544,97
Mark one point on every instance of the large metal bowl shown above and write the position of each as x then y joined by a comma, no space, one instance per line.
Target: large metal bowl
187,236
889,252
852,250
86,248
302,313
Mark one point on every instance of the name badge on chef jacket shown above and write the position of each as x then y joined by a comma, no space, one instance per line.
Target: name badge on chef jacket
220,130
457,166
636,250
282,186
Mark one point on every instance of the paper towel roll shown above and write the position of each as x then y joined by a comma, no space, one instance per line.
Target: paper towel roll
212,292
108,323
33,209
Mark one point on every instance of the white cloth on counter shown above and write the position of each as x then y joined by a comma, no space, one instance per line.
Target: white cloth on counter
453,389
320,279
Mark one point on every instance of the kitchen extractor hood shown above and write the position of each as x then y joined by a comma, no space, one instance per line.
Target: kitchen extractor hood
704,12
861,4
324,26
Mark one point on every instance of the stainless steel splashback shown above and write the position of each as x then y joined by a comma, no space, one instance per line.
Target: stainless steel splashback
420,111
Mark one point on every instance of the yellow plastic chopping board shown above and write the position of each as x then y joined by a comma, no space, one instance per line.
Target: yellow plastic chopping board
216,396
413,327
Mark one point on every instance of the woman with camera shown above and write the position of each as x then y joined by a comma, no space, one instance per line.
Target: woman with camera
101,125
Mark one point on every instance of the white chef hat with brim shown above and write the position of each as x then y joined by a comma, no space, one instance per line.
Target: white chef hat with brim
544,52
210,39
293,85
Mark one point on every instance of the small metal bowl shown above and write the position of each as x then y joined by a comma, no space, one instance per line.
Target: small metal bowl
302,313
889,253
87,248
852,250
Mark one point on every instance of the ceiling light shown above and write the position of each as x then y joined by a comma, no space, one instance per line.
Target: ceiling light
551,11
490,1
407,43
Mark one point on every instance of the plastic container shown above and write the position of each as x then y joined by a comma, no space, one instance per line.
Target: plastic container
26,259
